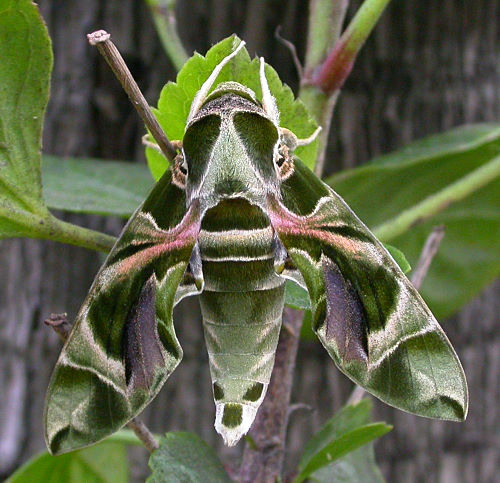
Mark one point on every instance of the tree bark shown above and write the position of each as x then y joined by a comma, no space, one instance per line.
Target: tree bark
429,66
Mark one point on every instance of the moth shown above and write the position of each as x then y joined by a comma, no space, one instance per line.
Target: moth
235,216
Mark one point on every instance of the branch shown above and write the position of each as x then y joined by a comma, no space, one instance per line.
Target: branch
46,226
339,62
439,201
325,22
329,61
144,434
101,39
60,324
163,12
263,457
64,232
292,49
429,251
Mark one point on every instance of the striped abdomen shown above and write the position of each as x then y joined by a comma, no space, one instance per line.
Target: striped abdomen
242,305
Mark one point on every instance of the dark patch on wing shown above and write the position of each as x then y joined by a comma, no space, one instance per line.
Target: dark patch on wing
141,345
345,320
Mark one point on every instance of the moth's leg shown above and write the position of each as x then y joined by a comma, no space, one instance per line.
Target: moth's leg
150,144
195,266
280,255
192,282
179,166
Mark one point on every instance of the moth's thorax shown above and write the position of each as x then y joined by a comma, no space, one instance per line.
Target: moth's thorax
237,237
230,148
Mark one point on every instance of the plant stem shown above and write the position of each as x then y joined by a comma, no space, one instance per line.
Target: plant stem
263,460
144,434
163,12
429,251
129,438
436,203
325,22
64,232
328,64
101,39
338,65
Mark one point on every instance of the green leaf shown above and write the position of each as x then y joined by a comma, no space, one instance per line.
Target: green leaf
175,99
356,467
469,256
94,186
102,463
296,297
185,457
332,449
399,258
306,331
25,66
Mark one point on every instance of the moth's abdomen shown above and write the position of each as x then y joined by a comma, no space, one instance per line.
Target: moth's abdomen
242,306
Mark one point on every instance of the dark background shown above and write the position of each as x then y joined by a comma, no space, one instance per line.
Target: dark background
429,66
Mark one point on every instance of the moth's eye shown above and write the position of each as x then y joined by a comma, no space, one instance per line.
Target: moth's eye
284,162
280,160
183,167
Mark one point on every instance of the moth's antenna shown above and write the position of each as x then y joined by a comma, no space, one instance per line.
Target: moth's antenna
207,85
310,139
268,101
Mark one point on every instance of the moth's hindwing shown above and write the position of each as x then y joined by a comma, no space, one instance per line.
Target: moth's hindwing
366,313
123,346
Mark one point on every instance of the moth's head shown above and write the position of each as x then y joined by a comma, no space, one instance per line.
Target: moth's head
230,148
233,146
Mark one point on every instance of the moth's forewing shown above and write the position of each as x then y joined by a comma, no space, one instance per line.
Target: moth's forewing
123,346
369,317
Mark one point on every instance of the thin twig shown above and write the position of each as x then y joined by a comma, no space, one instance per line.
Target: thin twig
338,64
144,434
356,395
440,200
293,51
61,325
101,39
325,24
299,407
163,12
429,251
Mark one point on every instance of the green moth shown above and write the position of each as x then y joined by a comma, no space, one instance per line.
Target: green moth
235,216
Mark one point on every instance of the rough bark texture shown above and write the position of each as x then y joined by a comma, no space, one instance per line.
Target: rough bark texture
430,66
